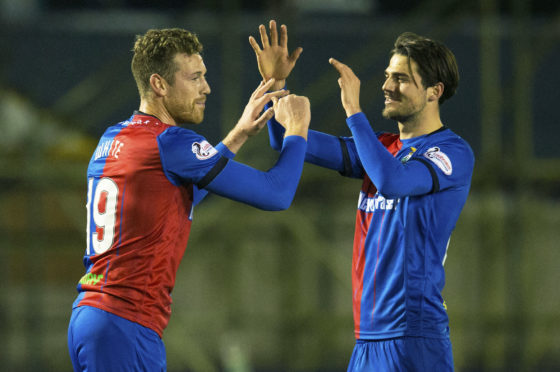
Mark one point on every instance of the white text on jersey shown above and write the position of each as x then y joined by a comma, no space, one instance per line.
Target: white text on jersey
109,148
377,202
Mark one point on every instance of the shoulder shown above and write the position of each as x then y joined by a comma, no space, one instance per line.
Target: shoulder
449,152
175,140
447,135
451,142
179,137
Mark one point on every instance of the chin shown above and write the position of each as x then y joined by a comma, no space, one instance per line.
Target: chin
190,120
388,114
397,115
197,119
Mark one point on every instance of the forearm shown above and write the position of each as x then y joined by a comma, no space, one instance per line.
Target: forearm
390,176
272,190
325,151
322,149
235,139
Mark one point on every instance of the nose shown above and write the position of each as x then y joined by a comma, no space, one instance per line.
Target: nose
206,87
388,85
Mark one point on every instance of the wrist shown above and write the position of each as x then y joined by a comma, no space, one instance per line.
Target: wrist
235,139
278,85
352,111
296,132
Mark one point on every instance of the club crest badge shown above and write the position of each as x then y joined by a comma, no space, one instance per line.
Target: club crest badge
409,155
439,158
203,150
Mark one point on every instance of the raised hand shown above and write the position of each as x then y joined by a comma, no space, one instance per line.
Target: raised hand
273,59
253,119
349,87
294,113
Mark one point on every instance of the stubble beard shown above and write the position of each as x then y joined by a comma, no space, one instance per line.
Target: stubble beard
402,115
192,115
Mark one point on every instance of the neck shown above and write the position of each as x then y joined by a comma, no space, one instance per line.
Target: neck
409,130
157,109
424,122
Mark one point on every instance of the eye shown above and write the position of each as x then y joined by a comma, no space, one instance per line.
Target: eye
197,76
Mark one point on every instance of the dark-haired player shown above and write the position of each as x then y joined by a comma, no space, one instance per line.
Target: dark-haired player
415,184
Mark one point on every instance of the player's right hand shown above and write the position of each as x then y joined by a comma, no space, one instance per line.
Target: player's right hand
273,59
293,113
349,87
253,119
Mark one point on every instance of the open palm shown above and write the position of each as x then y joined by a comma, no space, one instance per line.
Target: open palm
273,58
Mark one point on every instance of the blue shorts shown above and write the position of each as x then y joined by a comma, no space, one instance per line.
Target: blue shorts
406,354
101,341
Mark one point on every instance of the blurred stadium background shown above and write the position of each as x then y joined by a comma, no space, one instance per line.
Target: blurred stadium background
264,291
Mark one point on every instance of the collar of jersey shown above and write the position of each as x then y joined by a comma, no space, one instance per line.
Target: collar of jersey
140,113
414,140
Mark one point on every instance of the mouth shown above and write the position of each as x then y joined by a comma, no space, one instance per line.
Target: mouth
389,100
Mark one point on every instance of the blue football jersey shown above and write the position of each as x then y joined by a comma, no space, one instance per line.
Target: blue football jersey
400,243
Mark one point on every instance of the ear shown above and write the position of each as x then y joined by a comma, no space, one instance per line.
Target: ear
159,85
434,92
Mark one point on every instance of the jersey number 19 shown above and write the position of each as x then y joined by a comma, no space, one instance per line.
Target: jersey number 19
102,207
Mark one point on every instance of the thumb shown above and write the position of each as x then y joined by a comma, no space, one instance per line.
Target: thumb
295,54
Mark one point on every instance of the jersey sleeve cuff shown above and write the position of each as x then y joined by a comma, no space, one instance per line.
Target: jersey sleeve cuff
295,140
357,120
224,151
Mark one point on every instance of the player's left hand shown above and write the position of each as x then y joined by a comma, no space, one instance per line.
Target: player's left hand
294,114
349,87
273,59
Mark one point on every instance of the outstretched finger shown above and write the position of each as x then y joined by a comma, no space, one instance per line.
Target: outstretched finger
263,87
340,67
255,45
264,36
276,94
283,36
273,33
265,98
258,89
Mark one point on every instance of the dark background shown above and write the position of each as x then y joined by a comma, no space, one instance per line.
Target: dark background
260,291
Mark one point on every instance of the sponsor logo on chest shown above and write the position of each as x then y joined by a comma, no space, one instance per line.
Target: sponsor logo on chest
377,202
